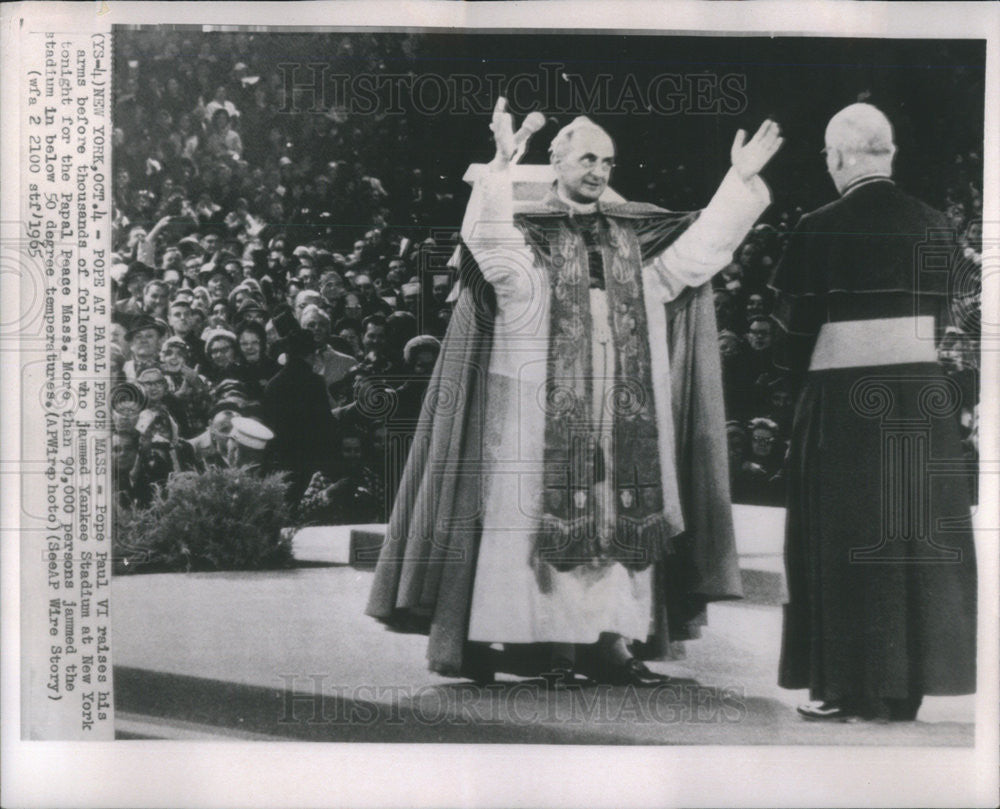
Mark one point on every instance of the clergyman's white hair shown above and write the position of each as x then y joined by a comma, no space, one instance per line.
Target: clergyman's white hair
861,129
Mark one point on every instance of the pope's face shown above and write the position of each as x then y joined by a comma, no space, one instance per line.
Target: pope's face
585,170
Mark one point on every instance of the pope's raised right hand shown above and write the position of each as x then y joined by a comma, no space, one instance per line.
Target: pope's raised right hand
502,127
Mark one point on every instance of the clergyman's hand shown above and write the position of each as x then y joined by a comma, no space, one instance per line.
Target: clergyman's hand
503,133
749,158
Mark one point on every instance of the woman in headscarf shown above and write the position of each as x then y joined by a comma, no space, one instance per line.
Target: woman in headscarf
251,339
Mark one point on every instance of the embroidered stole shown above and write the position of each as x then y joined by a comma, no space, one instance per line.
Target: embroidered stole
603,498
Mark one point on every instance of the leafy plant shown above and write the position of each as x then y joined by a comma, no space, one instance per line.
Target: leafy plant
220,519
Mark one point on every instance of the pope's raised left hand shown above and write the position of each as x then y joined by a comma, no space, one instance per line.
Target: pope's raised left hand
750,157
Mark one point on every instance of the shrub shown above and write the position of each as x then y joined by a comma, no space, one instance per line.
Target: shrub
221,519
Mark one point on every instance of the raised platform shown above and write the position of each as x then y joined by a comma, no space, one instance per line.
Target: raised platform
290,655
759,543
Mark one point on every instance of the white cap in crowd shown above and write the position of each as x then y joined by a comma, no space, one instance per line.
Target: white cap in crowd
250,433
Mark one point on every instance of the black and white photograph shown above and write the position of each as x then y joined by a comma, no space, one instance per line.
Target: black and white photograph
511,387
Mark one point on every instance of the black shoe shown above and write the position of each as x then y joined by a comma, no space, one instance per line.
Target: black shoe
634,672
825,712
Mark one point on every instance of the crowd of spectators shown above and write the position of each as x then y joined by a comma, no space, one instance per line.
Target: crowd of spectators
282,287
267,316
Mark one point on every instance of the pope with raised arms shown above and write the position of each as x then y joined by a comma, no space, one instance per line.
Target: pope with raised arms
571,500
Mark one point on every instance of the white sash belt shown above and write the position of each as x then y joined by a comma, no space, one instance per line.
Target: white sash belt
885,341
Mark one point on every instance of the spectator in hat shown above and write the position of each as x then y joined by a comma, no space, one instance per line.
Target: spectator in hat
222,350
247,446
144,337
159,398
296,407
212,445
251,311
252,341
134,280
